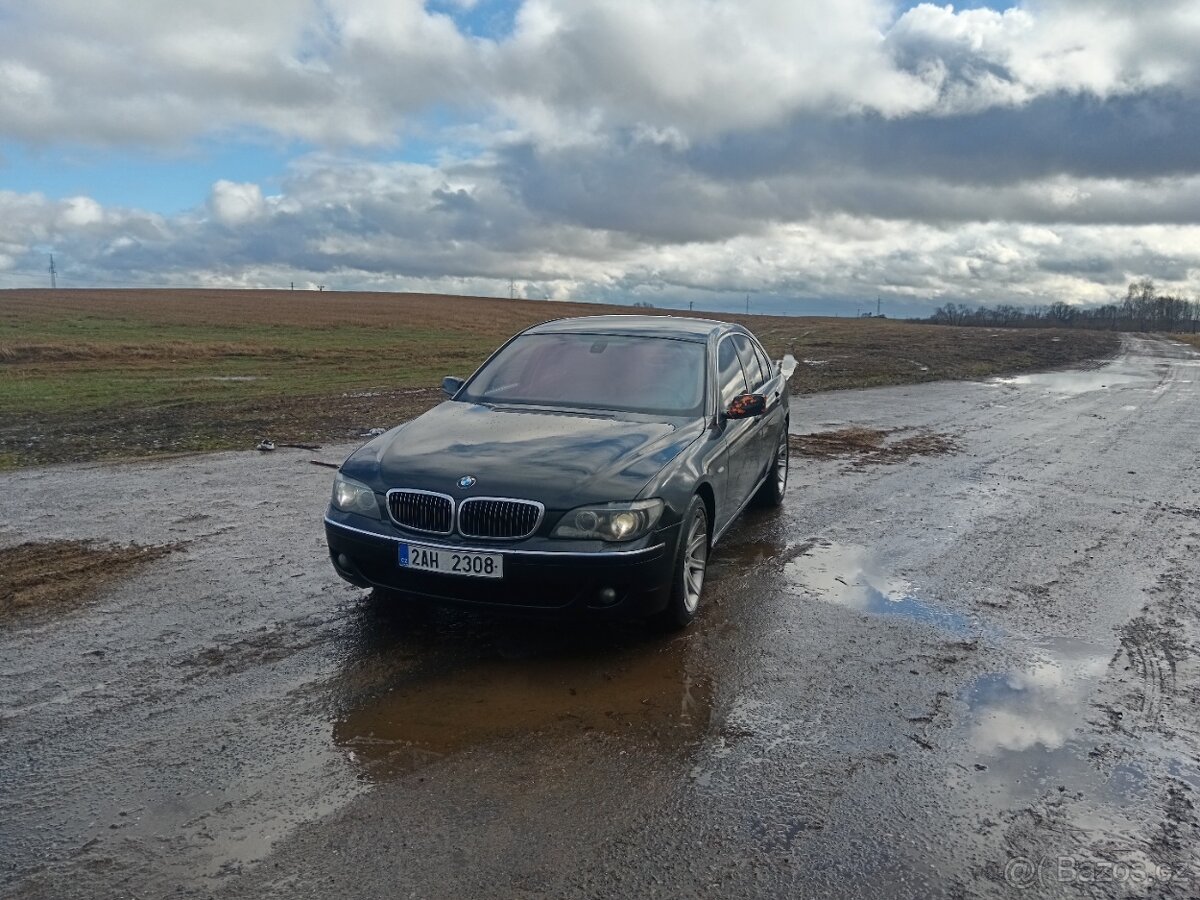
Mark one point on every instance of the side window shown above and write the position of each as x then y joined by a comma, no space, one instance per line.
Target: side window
754,372
764,360
729,373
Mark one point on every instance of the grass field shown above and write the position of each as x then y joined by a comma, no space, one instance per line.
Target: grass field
90,375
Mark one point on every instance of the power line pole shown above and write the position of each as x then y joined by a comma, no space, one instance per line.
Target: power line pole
512,289
747,304
53,273
878,306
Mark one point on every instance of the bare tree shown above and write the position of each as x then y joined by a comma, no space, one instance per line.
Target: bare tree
1142,308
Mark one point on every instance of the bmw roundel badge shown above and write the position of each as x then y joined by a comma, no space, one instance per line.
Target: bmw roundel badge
466,481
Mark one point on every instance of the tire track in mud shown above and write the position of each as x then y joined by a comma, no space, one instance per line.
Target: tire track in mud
1156,663
1150,653
1154,647
234,654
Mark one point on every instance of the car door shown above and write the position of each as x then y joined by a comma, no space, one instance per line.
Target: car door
778,411
760,444
736,434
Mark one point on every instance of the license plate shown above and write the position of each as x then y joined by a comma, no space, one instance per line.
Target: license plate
451,562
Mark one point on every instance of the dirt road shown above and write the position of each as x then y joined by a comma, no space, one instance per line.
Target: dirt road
965,675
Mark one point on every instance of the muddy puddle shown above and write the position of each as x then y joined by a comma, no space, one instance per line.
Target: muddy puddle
1030,754
854,577
867,446
533,685
1069,383
1038,706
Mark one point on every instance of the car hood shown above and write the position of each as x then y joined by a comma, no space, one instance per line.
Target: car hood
560,458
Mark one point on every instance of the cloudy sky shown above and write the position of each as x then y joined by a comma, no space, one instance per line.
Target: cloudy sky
812,154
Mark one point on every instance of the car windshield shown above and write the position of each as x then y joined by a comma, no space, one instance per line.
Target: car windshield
596,371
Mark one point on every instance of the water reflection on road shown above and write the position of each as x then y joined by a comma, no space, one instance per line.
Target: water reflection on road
853,576
1036,707
510,680
1028,760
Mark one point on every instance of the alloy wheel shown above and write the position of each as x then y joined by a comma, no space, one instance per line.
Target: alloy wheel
695,560
781,464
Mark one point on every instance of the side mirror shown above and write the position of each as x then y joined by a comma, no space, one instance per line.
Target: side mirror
452,385
747,406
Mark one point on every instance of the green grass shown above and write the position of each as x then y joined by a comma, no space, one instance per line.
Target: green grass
139,364
119,331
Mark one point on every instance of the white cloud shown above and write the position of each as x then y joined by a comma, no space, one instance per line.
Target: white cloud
79,212
705,67
808,148
978,58
464,229
233,203
343,72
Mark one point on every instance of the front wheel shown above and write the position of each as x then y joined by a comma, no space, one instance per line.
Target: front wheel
772,490
691,561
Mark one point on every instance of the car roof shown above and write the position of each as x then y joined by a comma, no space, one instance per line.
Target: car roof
677,327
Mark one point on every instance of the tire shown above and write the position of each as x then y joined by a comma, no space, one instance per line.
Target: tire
772,490
691,562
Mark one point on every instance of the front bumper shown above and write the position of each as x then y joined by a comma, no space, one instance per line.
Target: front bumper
536,581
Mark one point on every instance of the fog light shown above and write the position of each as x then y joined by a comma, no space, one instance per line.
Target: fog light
607,597
343,560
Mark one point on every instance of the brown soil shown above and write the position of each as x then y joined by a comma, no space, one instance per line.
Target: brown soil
55,575
844,352
867,446
190,427
328,384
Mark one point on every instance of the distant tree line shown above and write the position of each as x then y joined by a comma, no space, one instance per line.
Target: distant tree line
1142,309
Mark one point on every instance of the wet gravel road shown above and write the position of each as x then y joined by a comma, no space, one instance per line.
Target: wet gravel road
971,675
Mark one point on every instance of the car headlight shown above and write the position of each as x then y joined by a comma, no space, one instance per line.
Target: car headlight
610,521
353,496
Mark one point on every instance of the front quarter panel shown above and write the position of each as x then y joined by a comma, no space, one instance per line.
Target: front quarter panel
363,464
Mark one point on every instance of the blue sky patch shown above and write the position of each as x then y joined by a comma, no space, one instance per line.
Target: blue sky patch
491,19
154,181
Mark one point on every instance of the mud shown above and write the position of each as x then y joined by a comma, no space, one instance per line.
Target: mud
544,683
974,675
51,577
868,446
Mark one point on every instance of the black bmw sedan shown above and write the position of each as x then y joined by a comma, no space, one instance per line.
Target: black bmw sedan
588,467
